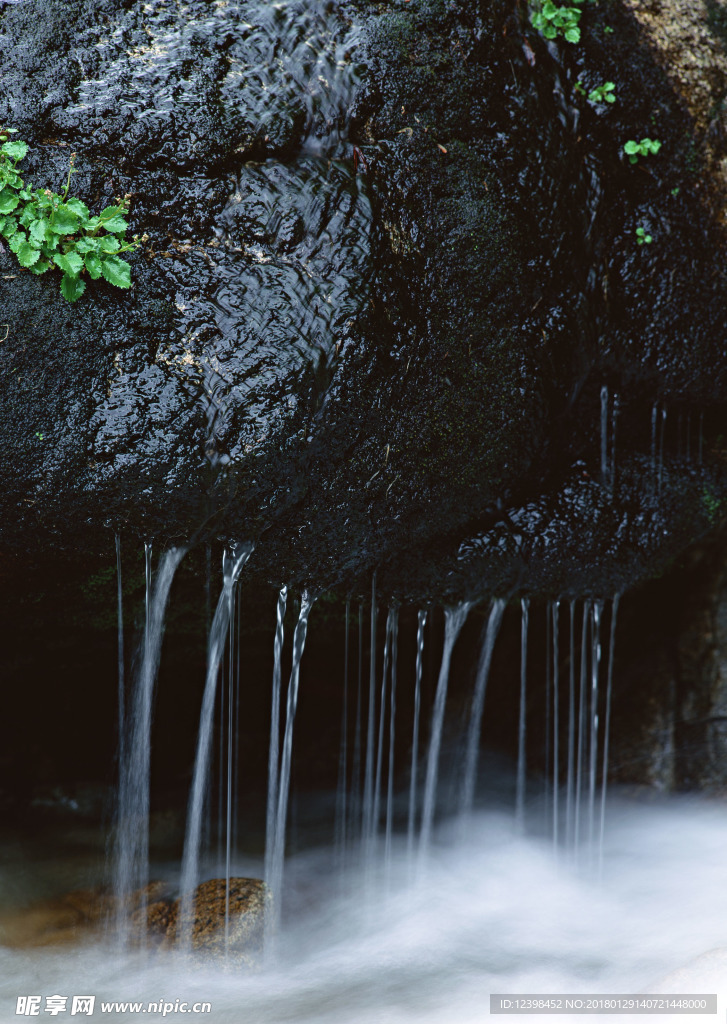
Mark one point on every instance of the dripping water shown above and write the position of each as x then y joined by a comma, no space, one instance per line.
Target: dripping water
478,702
342,788
521,764
411,823
233,562
593,764
454,619
392,737
120,651
556,696
131,855
275,879
274,748
607,729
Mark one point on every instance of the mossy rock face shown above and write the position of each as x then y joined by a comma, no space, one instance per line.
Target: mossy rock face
381,292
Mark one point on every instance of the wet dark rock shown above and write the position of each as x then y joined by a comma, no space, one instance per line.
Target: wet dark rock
390,263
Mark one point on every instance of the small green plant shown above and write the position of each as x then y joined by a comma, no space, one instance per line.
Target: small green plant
647,147
39,435
642,237
551,20
675,191
608,30
46,230
603,93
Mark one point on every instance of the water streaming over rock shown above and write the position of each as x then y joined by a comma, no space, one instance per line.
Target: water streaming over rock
414,769
275,879
274,746
521,783
454,619
131,849
233,562
474,731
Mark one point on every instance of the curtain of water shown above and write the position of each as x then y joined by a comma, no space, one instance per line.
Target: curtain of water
274,748
607,728
232,565
454,619
275,880
411,827
474,732
131,855
392,736
521,758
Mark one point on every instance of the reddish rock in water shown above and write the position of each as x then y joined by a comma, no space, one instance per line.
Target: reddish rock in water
249,901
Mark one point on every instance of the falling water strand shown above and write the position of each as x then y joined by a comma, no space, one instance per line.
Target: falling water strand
580,759
236,804
120,650
680,420
274,747
376,816
607,729
392,738
556,752
593,764
521,765
131,868
662,431
548,715
355,815
571,725
233,562
604,436
341,803
230,759
368,797
654,417
614,425
454,619
474,731
278,859
411,827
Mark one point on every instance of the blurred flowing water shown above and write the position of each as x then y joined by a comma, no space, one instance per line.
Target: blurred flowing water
497,913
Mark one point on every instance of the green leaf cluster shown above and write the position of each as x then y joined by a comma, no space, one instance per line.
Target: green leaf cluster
646,147
552,20
603,93
47,231
642,237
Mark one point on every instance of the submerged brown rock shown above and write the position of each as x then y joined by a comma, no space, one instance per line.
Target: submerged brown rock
80,916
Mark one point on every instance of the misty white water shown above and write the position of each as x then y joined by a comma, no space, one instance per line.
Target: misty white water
497,913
